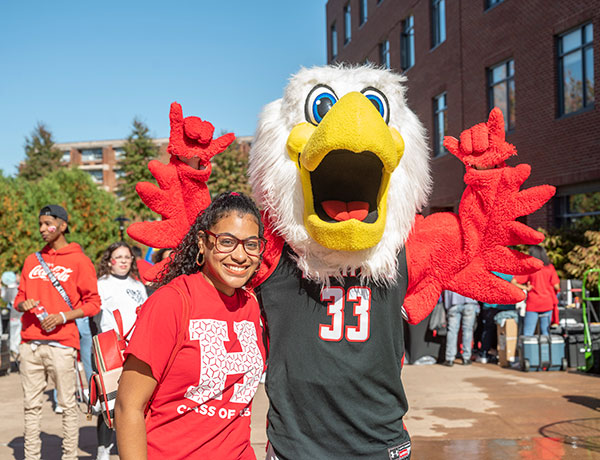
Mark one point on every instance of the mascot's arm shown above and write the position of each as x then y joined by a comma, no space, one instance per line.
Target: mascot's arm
272,253
457,253
181,192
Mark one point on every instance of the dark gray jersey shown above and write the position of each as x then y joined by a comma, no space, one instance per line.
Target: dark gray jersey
334,365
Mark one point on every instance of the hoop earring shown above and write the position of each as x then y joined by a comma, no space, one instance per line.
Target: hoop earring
197,261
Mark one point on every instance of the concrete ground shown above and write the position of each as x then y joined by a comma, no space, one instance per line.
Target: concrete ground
475,412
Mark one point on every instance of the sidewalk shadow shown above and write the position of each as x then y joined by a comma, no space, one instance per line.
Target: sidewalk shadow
587,401
51,445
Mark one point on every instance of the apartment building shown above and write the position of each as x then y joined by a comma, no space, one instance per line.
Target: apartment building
537,60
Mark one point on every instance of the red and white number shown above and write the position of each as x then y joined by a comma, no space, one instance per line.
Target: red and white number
334,296
335,308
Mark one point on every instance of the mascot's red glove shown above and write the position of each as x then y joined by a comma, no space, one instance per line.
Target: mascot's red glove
457,252
483,146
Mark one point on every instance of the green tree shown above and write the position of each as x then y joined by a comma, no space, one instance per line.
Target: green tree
91,214
583,257
41,156
229,171
139,150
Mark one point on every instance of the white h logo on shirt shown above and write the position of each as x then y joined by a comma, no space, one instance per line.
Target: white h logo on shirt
216,364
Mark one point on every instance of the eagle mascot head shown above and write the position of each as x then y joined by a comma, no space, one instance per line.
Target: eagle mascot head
340,166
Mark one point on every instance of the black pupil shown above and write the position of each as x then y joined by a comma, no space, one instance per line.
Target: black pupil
376,104
323,106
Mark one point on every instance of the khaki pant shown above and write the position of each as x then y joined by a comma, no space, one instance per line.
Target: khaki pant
36,364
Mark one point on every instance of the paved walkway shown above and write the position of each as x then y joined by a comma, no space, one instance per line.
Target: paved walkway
475,412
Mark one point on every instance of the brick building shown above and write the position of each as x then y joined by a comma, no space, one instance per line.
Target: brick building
100,159
537,60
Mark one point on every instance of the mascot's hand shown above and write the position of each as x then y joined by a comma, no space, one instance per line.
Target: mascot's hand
483,146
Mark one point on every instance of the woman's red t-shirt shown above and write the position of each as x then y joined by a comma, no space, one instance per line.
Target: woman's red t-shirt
542,296
202,408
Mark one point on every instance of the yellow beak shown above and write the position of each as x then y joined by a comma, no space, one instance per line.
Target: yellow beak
345,164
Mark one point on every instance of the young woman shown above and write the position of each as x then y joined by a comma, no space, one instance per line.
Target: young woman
120,291
199,405
541,288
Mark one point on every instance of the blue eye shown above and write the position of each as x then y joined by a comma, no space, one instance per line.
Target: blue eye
320,100
379,101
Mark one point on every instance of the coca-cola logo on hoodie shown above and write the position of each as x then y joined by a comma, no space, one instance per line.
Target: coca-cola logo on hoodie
61,273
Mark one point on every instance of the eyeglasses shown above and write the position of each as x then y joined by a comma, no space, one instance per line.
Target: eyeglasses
226,243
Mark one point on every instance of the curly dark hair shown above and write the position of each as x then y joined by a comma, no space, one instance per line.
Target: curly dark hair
103,267
183,258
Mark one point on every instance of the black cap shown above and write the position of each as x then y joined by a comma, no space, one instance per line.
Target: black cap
55,210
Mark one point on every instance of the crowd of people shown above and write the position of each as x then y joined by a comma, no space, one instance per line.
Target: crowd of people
171,391
477,321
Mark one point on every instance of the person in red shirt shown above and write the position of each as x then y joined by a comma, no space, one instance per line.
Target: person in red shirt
49,345
142,265
200,405
541,288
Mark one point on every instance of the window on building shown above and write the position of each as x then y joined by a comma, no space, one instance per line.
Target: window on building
66,156
119,173
438,22
347,24
91,154
333,38
408,43
440,124
578,210
490,3
384,54
97,175
576,70
363,11
501,80
119,153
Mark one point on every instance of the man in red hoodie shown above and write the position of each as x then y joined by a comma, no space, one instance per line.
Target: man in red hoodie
49,345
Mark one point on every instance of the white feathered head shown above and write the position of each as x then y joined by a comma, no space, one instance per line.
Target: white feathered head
341,166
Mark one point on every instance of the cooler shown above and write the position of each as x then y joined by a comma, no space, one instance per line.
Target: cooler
542,352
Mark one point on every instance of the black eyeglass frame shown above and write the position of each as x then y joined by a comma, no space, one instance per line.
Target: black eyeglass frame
262,243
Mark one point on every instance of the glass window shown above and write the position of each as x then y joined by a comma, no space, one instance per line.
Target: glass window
384,53
408,43
440,124
97,175
91,154
578,209
334,47
438,22
363,11
66,156
502,91
119,153
119,173
347,24
490,3
576,70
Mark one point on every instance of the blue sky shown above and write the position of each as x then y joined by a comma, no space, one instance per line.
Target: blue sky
86,69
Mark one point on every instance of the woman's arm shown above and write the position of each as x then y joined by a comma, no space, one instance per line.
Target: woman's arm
135,390
527,287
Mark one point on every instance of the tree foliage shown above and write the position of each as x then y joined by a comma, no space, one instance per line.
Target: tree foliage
139,150
229,171
41,156
91,214
585,256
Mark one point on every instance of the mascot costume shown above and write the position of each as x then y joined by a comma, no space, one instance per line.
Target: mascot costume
339,167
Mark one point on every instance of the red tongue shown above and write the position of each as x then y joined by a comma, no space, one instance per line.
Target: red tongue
341,211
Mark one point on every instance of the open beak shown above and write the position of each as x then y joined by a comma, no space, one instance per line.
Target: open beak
345,164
